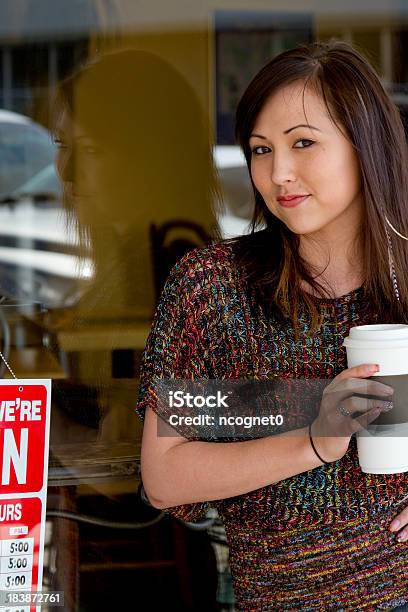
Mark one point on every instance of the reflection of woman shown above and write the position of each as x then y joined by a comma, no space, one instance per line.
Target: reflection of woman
306,528
133,148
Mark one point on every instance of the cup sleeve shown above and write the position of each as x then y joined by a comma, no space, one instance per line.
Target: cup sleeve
175,349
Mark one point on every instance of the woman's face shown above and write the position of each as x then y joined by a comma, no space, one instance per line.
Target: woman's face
87,170
294,155
78,158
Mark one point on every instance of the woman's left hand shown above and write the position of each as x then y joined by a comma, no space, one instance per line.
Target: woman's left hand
401,523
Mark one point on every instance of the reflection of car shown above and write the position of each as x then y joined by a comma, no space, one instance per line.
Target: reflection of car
44,186
236,190
26,148
38,259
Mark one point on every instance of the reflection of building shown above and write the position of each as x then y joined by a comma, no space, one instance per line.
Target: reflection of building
245,41
41,40
29,67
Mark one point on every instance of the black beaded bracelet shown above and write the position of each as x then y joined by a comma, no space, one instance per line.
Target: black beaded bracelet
313,446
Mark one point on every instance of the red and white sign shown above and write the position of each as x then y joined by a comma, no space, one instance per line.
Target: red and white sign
24,441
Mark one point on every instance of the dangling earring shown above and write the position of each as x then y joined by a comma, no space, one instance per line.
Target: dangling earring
391,258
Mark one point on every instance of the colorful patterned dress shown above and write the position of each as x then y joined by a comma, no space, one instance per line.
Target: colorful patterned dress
319,540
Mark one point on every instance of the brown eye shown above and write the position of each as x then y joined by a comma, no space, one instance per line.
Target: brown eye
304,140
260,150
60,144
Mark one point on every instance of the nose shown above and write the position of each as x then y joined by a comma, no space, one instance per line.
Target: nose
283,168
64,162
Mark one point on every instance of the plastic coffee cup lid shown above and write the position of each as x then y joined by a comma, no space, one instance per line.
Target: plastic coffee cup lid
386,335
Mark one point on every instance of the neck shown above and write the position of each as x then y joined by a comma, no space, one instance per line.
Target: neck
335,262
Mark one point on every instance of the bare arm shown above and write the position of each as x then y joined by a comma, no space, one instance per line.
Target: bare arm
176,471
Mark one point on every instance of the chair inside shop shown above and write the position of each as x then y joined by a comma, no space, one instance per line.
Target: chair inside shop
169,242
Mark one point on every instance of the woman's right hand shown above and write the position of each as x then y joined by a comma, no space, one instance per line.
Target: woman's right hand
332,429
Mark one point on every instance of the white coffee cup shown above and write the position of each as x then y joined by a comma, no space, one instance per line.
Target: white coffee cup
383,446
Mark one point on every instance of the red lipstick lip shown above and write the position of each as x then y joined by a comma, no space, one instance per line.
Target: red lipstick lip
291,201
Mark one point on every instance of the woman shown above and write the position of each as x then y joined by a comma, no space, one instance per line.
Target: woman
327,157
125,125
115,138
124,161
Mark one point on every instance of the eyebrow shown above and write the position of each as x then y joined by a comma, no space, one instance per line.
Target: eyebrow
290,130
58,135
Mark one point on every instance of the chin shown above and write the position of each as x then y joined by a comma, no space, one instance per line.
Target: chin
303,229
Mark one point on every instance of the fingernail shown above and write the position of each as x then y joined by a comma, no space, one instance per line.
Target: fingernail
401,538
374,368
387,406
394,525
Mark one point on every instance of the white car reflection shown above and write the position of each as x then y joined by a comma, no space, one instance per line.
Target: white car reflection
44,186
38,255
25,149
38,259
236,191
38,250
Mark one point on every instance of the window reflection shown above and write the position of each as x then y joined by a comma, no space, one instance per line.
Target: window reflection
139,100
130,153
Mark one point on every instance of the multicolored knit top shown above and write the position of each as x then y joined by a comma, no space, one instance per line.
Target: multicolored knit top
318,540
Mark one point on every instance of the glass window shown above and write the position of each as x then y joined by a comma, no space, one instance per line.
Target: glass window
118,157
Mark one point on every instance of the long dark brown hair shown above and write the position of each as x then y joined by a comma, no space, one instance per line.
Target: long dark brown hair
364,112
141,108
